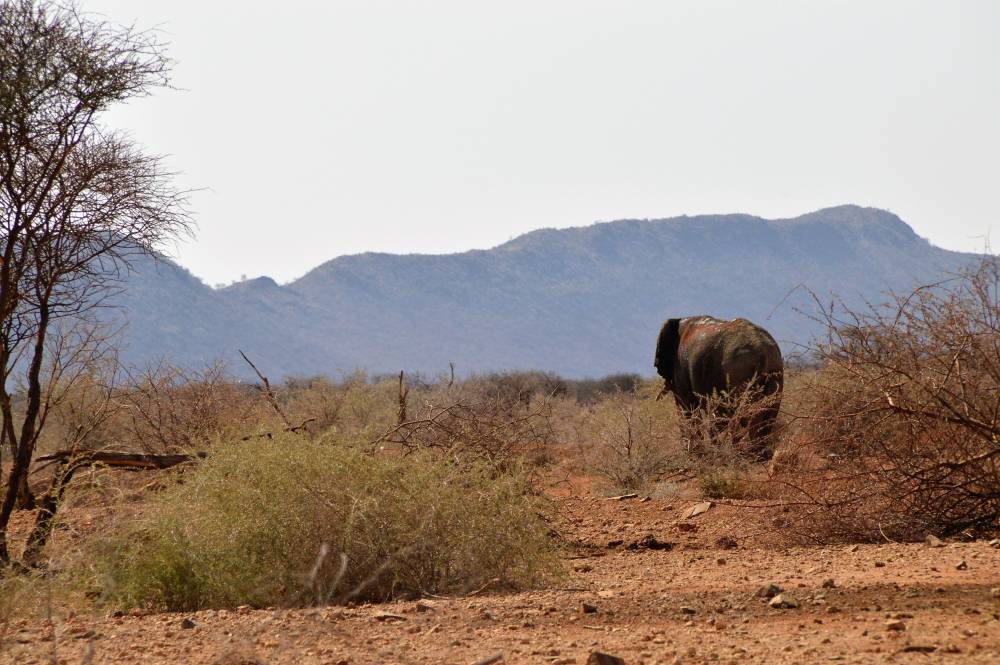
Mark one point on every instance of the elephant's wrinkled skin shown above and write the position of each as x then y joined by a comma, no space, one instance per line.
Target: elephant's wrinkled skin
700,355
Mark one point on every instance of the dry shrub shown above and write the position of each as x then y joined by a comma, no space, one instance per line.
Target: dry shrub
590,391
158,409
298,522
635,441
724,444
84,415
356,406
515,389
475,419
906,415
172,409
728,426
499,418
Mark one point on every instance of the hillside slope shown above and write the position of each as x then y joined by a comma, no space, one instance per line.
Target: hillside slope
581,301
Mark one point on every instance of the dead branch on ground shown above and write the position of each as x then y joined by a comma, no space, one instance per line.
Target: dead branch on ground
69,462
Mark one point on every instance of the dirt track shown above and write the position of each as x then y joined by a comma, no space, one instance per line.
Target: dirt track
694,602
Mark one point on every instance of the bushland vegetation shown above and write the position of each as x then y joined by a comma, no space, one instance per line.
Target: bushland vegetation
315,491
308,491
377,487
888,432
897,434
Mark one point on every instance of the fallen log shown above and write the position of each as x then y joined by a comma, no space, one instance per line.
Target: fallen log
69,462
122,460
137,461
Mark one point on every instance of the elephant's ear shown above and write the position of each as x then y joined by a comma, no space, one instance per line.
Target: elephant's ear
666,348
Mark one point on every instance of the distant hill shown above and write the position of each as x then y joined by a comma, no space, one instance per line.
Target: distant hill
581,302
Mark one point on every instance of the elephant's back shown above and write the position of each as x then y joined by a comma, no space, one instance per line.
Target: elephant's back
746,343
742,336
720,350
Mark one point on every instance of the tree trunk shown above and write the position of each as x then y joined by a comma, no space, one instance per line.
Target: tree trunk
25,499
26,445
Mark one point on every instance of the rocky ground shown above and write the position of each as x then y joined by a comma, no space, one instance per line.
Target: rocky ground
645,583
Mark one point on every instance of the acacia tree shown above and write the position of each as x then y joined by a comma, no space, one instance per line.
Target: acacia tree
78,200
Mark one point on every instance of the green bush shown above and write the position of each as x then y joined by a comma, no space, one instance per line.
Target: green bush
723,483
294,522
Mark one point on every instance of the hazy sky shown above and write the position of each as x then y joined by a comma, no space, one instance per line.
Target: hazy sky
326,128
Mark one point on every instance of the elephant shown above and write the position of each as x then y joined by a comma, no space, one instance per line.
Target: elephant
701,356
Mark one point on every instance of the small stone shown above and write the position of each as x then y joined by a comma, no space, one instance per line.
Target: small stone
688,610
650,542
918,648
880,564
697,509
720,561
589,608
829,584
995,543
995,592
852,548
388,616
768,591
962,565
583,568
895,624
425,606
783,602
726,543
187,624
933,541
598,658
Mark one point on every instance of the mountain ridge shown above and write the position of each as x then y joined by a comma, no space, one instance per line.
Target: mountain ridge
580,301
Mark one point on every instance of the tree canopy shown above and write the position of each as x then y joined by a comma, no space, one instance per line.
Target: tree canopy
77,200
